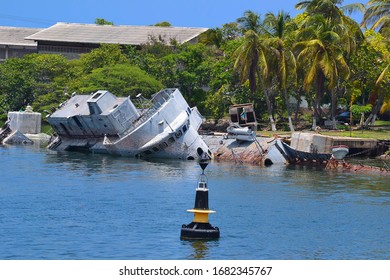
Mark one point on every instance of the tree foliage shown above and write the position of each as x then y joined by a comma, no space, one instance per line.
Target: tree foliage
321,55
121,80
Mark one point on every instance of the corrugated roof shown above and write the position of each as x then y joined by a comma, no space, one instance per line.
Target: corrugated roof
16,36
113,34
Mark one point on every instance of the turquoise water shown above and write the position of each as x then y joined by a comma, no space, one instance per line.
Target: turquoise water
84,206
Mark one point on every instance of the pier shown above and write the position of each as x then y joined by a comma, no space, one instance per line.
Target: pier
318,143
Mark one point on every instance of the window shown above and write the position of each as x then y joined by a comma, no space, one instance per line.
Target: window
163,145
96,96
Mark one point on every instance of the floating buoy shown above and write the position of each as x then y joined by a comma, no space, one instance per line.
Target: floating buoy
200,228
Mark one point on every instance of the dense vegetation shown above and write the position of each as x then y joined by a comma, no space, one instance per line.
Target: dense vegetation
322,56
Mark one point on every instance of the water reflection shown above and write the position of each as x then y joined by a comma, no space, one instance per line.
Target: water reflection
91,165
72,205
200,249
331,181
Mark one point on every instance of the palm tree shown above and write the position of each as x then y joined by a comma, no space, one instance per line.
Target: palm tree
252,65
377,16
331,9
250,21
381,103
320,53
212,37
346,34
326,8
385,105
283,60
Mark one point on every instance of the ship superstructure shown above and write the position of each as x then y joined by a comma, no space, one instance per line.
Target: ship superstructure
164,126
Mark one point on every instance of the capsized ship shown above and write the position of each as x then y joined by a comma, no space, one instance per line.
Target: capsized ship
164,126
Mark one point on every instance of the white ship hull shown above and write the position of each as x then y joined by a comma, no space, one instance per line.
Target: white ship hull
169,129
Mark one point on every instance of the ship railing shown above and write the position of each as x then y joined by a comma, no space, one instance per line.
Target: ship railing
149,112
159,98
157,101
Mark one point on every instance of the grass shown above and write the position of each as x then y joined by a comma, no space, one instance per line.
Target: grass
372,134
379,134
382,123
46,128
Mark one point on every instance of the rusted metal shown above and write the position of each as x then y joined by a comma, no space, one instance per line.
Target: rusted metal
341,165
239,155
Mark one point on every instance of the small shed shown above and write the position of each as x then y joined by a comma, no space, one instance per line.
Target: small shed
243,115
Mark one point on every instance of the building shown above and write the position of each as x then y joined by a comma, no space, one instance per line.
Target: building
73,39
13,42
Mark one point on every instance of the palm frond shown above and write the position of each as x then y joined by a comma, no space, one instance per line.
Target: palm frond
352,8
382,76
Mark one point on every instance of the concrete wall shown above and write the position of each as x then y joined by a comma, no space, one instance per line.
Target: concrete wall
311,142
321,144
25,122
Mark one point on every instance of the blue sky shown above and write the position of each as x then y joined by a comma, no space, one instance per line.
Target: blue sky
184,13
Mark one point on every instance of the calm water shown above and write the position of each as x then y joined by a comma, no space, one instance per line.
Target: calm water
77,206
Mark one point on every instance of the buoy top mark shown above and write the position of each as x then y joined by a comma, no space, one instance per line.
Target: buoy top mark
204,161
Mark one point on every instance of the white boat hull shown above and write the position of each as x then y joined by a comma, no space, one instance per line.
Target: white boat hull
169,130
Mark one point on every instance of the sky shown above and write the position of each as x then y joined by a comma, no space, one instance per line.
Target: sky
180,13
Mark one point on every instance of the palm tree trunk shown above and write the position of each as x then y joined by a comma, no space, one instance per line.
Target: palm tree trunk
374,112
269,109
333,107
316,113
290,123
318,98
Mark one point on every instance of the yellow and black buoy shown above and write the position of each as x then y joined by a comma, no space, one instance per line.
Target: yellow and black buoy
200,228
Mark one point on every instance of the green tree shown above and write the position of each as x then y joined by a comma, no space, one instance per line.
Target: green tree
121,80
252,65
52,74
326,8
106,54
230,31
212,37
320,53
102,21
193,71
282,60
382,101
347,28
34,77
16,84
225,86
250,21
163,24
377,16
366,65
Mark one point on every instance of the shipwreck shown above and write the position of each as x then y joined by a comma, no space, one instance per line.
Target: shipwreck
164,126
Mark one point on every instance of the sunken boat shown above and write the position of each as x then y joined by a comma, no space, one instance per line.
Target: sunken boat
164,126
294,156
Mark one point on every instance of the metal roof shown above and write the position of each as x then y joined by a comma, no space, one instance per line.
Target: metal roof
78,105
15,36
114,34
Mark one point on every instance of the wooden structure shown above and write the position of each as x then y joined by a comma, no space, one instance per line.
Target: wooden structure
243,115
